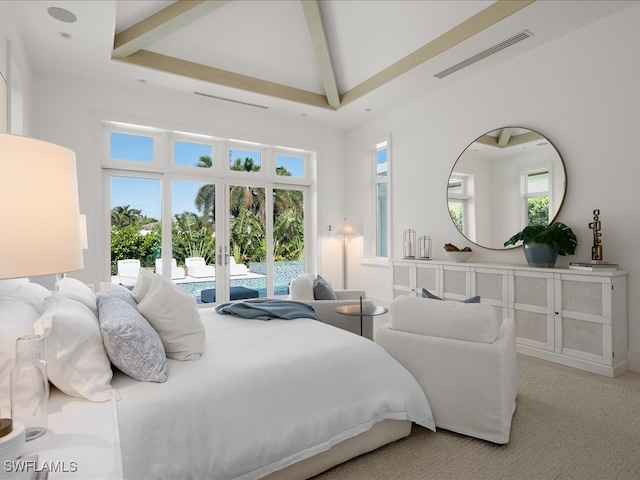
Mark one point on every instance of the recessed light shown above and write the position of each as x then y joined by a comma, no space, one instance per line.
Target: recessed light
142,80
65,35
303,114
62,15
369,110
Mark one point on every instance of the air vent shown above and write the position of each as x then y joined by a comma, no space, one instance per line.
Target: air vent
230,100
518,37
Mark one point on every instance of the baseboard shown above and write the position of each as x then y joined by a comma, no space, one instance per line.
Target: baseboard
634,360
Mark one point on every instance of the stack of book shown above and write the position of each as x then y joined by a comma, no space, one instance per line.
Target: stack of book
593,266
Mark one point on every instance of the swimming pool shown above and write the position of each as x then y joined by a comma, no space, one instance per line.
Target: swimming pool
283,273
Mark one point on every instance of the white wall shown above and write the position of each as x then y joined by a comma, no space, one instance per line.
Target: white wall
581,92
15,69
69,113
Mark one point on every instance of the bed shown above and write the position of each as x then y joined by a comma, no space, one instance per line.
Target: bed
216,396
268,398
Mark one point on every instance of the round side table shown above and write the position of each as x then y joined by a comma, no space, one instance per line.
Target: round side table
361,311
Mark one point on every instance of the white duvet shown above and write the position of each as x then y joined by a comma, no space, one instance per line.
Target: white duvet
266,394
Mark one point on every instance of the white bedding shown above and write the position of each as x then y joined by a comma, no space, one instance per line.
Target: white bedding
266,394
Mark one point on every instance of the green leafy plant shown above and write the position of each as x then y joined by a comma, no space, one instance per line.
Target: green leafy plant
558,236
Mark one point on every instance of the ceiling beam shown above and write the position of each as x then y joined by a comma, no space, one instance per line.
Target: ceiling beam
482,20
161,24
504,137
313,17
178,66
512,140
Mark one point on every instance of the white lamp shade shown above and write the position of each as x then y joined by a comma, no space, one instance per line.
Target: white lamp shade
40,217
345,229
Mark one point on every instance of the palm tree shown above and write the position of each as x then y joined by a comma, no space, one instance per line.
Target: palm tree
205,200
124,216
246,198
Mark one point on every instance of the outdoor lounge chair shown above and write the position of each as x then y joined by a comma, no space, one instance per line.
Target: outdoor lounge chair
177,273
128,271
197,267
237,268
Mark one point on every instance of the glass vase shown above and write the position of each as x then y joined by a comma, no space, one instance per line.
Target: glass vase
30,386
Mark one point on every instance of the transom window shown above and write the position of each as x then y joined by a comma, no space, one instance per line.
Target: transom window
130,147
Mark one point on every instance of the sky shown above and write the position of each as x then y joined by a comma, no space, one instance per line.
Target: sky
145,194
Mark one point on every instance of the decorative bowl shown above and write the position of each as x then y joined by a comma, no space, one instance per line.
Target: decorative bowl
459,257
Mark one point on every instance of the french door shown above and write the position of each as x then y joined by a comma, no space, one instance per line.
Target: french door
264,240
249,238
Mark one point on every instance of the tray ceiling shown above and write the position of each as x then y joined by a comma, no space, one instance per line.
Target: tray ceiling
337,61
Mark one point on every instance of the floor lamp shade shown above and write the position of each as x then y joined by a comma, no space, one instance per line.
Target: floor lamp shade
40,233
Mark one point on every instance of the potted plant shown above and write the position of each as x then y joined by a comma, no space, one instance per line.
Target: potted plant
542,244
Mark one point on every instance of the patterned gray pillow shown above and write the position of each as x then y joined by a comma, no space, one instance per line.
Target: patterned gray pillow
130,341
113,289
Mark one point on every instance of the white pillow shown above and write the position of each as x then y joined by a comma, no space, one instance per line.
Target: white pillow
12,283
16,319
32,294
301,287
79,291
143,284
173,313
76,360
475,322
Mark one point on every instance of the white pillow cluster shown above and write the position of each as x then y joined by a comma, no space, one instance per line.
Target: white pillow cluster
85,335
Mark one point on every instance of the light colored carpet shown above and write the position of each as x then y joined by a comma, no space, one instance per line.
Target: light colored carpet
566,426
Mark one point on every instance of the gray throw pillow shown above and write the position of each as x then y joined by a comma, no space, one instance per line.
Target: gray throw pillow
322,290
131,343
427,294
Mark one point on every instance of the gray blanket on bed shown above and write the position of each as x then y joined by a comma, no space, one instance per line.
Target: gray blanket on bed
267,309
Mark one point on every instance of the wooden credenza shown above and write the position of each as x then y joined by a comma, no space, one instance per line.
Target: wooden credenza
572,317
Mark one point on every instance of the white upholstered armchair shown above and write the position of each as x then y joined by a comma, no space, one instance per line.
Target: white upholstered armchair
463,360
306,288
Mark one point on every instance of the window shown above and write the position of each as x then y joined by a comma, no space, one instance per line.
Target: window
461,202
244,160
135,215
192,154
382,198
137,148
456,199
289,165
537,197
163,188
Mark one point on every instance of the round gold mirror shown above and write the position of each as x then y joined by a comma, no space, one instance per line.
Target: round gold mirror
503,181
